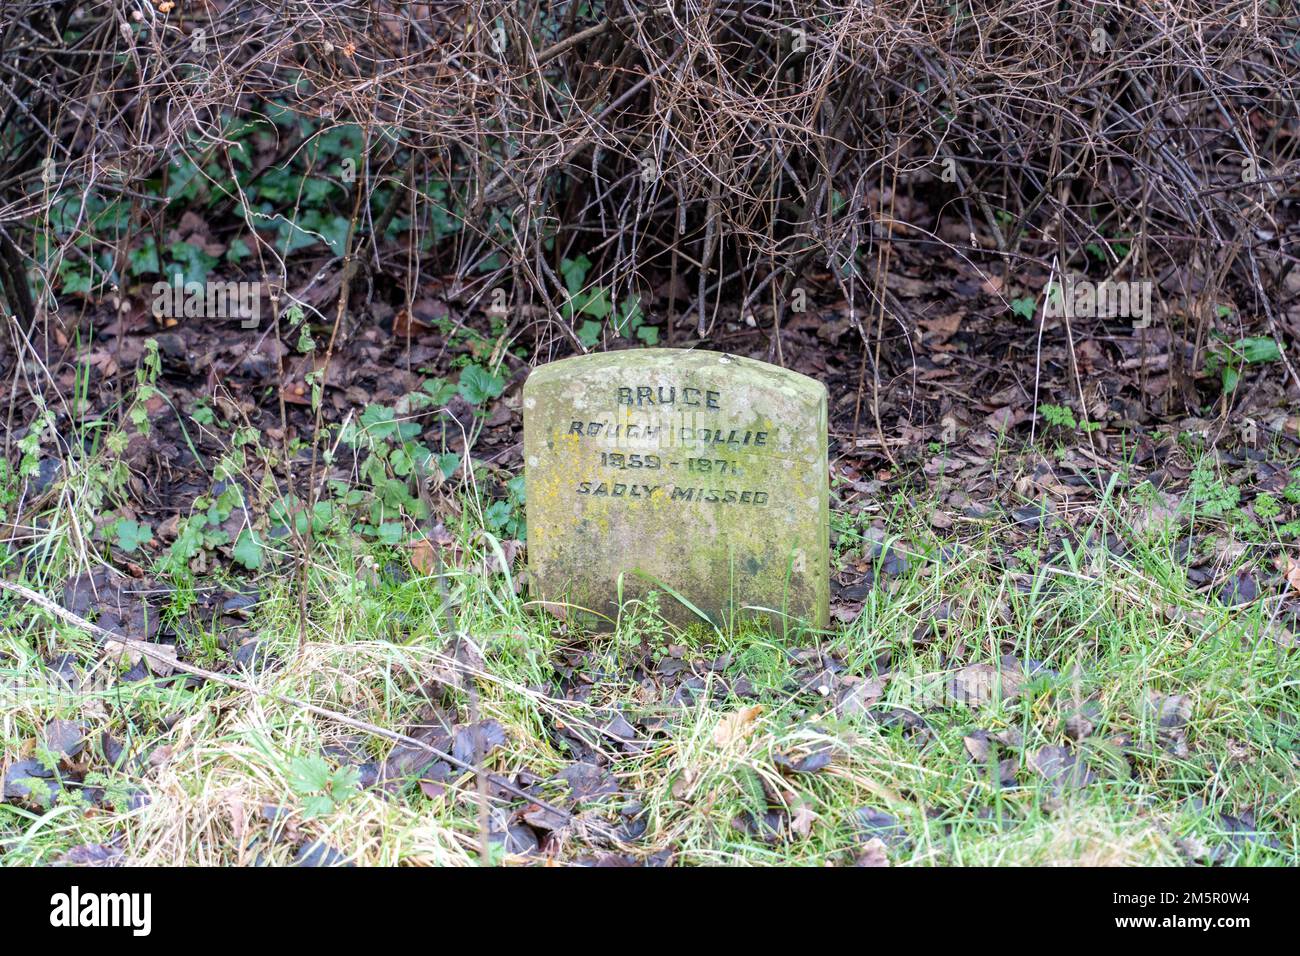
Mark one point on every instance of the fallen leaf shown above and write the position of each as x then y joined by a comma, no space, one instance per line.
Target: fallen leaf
804,763
1240,589
736,726
64,737
847,613
317,854
28,781
976,684
873,854
406,324
159,658
542,818
93,854
422,556
801,820
857,694
977,745
1005,418
1293,573
588,781
940,329
871,824
1062,769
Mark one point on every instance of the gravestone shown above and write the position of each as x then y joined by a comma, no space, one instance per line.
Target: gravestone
697,474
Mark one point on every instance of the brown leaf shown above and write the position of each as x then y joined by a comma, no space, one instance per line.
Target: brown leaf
1293,572
736,726
977,745
1062,769
857,694
977,684
160,658
940,329
406,324
1006,418
873,854
847,613
906,286
422,556
801,820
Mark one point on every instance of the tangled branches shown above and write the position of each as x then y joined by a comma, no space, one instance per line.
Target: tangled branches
714,150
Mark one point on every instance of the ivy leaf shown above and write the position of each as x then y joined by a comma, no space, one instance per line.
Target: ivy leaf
238,249
630,317
144,260
589,333
248,550
594,302
193,263
1024,306
574,272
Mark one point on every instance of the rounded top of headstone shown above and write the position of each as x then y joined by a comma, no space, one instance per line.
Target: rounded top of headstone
738,368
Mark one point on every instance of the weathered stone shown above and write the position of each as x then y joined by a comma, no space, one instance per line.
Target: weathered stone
697,474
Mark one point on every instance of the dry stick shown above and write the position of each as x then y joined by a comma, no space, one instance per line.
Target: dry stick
153,653
573,40
887,250
1038,352
710,230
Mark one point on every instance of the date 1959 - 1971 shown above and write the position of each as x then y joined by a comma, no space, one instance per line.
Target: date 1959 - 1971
719,466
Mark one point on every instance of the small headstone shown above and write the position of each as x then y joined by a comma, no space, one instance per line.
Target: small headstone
700,475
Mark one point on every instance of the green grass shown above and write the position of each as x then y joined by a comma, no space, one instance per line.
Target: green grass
929,729
1111,637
